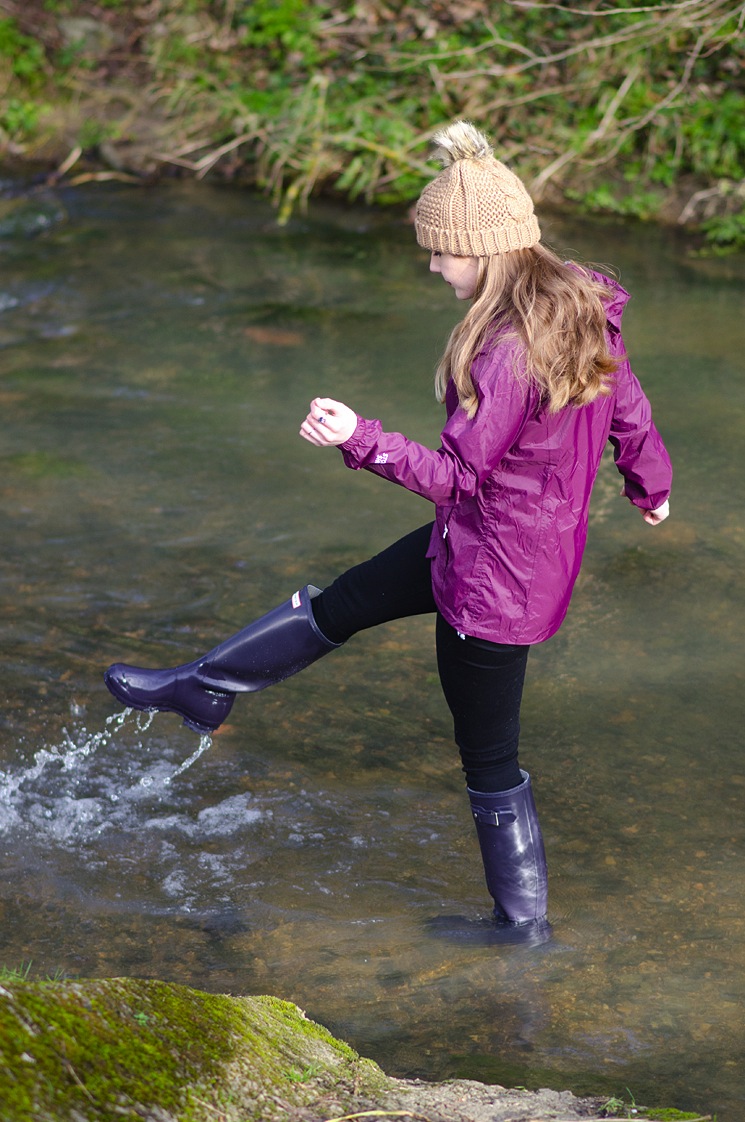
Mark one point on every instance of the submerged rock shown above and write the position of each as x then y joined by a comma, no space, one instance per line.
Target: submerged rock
121,1048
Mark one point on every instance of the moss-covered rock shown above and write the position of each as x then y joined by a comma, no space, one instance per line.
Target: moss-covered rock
129,1049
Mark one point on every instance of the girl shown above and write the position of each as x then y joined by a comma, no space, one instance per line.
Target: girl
535,382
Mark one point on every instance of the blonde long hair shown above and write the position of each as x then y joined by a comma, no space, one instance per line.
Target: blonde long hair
557,312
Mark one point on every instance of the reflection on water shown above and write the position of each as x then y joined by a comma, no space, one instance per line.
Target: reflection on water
159,352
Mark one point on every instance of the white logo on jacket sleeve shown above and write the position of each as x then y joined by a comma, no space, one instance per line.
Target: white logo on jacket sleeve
296,601
381,458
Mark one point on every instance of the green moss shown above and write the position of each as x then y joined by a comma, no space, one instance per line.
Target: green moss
292,1017
114,1048
670,1114
122,1047
129,1049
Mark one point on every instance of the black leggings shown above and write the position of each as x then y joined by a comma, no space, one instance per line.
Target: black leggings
482,681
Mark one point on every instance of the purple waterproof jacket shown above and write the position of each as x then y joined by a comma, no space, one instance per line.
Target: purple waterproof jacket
511,488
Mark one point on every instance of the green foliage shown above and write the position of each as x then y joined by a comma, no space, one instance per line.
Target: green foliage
10,974
309,1072
72,56
25,55
94,132
19,119
179,51
613,106
15,973
619,1107
21,106
714,135
726,233
613,1107
282,28
608,199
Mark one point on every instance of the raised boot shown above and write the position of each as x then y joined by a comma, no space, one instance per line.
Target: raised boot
273,648
514,857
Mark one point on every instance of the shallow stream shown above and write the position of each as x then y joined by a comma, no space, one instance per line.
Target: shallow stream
159,348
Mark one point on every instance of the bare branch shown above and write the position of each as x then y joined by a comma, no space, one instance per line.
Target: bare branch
540,181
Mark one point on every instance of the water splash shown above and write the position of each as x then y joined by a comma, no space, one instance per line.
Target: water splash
105,816
204,743
28,792
68,755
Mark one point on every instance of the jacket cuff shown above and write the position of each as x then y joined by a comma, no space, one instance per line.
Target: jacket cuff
644,501
362,441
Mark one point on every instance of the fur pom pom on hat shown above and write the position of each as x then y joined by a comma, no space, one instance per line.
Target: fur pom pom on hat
476,206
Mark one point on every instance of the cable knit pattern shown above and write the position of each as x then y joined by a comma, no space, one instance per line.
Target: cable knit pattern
476,206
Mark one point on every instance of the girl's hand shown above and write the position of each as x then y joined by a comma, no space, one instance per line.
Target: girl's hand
328,423
654,517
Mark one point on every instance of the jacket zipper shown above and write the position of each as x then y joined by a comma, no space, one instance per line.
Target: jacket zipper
445,532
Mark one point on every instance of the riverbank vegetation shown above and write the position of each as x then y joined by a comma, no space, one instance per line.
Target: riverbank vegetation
612,105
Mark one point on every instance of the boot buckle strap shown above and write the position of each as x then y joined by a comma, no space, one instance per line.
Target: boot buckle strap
497,817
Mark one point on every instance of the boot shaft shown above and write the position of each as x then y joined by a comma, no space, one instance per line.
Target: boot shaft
512,850
272,648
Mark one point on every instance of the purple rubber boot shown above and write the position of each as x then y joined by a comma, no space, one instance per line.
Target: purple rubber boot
269,650
516,875
514,858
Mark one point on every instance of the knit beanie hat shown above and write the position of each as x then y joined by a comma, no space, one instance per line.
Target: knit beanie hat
475,207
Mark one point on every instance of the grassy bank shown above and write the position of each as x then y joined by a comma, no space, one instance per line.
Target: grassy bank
626,107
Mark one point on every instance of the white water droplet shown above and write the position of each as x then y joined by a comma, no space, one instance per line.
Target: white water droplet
205,742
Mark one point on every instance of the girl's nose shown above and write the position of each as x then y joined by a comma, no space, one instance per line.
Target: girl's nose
434,263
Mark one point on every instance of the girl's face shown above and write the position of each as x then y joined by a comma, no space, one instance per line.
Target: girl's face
461,273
